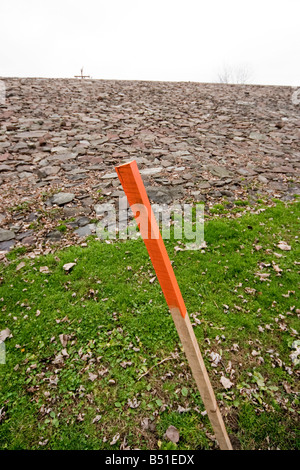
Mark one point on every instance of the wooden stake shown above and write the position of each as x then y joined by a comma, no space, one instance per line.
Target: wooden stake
135,191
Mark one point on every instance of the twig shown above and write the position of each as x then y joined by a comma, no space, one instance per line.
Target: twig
160,362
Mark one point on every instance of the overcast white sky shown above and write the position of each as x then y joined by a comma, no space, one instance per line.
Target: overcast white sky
186,40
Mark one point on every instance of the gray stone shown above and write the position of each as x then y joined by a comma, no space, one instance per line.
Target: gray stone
219,171
19,146
21,168
28,240
72,224
6,235
218,183
54,235
109,175
73,211
198,196
215,194
159,195
87,201
6,245
32,216
26,175
96,167
151,171
283,169
257,136
203,185
5,168
188,158
175,182
62,198
81,176
117,193
101,209
85,230
48,171
246,172
262,179
22,235
187,176
30,134
82,221
166,163
64,156
227,193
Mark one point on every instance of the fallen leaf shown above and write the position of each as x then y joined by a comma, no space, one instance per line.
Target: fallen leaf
287,387
68,266
181,409
276,267
92,376
262,276
254,353
284,246
178,248
226,382
124,445
294,355
216,358
58,359
288,294
172,434
44,270
147,424
43,443
4,334
115,439
133,403
250,290
64,340
97,418
20,266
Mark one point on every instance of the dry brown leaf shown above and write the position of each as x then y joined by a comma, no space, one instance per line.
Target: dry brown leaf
226,382
172,434
115,439
276,267
92,376
263,276
96,419
44,270
284,246
20,266
68,266
250,290
64,339
4,334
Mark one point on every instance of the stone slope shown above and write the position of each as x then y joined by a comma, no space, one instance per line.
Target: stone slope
192,141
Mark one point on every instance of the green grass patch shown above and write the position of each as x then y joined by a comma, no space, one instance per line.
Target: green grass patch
94,360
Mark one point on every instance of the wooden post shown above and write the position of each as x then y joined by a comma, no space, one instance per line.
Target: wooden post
135,191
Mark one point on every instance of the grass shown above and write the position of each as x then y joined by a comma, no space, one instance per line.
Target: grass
119,376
